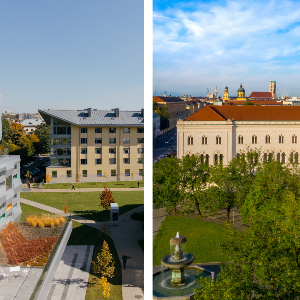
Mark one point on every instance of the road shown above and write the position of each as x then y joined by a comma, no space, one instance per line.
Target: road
160,147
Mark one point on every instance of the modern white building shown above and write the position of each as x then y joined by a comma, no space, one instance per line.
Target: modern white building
223,132
30,125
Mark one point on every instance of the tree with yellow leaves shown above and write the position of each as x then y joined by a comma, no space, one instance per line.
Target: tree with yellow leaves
104,287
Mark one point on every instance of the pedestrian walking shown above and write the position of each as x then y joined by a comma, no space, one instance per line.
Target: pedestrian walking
73,187
138,184
124,258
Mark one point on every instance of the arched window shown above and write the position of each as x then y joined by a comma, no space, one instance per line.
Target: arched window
241,139
221,158
218,140
283,158
265,156
190,140
268,139
281,139
204,140
294,157
216,158
278,156
254,139
294,139
202,158
207,159
237,155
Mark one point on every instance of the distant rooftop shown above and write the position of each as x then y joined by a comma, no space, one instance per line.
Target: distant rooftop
92,117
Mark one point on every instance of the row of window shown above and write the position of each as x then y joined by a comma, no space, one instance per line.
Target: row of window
112,130
112,161
99,173
112,140
190,140
112,150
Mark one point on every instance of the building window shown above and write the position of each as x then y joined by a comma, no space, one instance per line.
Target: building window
98,141
8,183
294,139
54,174
126,130
126,160
126,150
112,150
83,140
2,173
204,140
241,139
112,140
69,173
84,173
190,140
218,140
15,167
254,139
98,130
268,139
126,140
112,161
140,130
127,172
140,140
112,130
83,150
15,196
2,205
281,139
140,160
83,130
140,150
141,172
98,161
99,173
113,173
83,161
15,176
98,150
283,158
294,157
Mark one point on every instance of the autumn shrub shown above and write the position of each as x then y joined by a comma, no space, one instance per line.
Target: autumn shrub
56,222
106,198
46,220
104,287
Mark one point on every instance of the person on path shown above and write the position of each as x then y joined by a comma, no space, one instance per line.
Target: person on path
73,187
124,258
138,184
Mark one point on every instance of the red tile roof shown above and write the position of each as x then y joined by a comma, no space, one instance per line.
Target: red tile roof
166,99
246,113
261,102
261,95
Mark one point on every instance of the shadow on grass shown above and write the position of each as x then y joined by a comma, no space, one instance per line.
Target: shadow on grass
104,215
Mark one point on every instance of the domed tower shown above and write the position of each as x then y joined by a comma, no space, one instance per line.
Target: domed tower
225,97
241,92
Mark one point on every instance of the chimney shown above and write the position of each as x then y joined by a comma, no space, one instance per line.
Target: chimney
116,111
89,112
142,112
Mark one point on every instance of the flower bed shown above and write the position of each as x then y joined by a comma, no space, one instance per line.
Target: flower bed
21,250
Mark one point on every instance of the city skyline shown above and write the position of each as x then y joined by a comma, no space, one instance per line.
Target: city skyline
204,44
72,55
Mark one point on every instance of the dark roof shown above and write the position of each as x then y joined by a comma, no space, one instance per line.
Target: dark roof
261,95
247,113
98,117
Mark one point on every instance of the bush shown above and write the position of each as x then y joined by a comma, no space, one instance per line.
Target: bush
45,220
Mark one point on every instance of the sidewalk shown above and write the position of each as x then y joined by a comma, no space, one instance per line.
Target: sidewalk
125,236
158,217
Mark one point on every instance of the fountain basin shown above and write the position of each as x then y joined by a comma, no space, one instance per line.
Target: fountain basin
170,263
163,289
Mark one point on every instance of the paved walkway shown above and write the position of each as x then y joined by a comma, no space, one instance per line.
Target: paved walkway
125,236
158,217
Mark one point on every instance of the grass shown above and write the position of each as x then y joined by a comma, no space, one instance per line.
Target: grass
85,235
87,185
203,239
86,204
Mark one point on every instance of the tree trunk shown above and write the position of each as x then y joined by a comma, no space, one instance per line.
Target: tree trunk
198,208
228,212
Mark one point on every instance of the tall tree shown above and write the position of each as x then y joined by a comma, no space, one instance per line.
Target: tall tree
167,191
42,131
164,115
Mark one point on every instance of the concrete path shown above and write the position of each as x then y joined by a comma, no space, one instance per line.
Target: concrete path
125,236
158,217
72,275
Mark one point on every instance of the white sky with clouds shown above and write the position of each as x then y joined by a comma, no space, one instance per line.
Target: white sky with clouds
204,44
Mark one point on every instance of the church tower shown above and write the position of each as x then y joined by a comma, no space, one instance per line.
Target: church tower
241,92
273,88
216,92
225,97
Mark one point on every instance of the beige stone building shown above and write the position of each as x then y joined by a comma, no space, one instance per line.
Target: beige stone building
95,145
223,132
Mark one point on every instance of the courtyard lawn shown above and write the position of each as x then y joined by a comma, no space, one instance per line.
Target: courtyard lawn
85,235
203,239
86,204
110,184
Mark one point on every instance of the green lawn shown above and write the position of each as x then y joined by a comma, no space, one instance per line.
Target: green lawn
110,184
203,239
86,204
85,235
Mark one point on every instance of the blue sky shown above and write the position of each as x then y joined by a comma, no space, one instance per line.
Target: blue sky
204,44
71,54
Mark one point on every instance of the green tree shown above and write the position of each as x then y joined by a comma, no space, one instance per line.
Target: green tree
5,130
164,115
195,174
105,265
42,131
167,190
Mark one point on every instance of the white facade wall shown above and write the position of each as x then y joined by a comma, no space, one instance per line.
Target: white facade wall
230,131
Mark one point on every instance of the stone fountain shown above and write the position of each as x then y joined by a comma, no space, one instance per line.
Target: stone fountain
178,260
